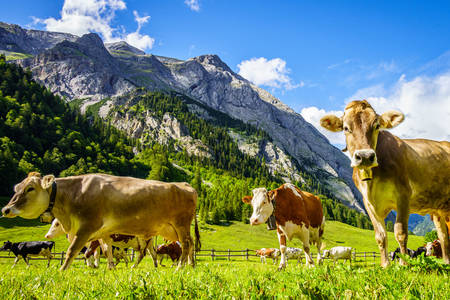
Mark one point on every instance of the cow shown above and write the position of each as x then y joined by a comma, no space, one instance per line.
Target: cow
29,249
172,251
94,206
263,253
406,175
434,249
419,251
118,240
294,253
297,214
394,255
94,250
339,252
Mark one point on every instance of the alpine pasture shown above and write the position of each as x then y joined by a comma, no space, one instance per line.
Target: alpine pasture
220,279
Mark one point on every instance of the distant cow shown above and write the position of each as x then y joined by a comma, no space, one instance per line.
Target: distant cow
405,175
434,248
94,206
297,214
409,252
94,250
118,240
339,252
172,250
294,253
272,253
29,249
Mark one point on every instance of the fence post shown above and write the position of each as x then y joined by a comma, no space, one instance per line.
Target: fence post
246,256
365,256
374,256
62,258
212,254
229,258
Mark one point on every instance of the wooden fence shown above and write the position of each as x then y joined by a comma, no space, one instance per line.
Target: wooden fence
229,255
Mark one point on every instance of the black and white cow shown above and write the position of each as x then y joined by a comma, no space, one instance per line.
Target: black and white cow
27,249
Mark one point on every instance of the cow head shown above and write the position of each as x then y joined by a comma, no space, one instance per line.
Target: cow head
31,198
55,230
6,246
361,126
326,253
261,202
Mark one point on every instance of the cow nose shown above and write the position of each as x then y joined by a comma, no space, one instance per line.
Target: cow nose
6,211
364,158
253,221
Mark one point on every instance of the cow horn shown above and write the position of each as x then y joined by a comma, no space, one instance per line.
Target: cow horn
345,149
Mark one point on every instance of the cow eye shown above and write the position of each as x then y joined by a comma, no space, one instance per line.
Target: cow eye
30,189
346,129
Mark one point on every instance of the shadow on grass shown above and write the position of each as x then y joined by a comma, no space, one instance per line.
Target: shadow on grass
19,222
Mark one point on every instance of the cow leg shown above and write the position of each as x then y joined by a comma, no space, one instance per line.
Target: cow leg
441,228
27,261
282,241
304,237
187,243
380,231
49,259
401,228
107,250
152,251
78,241
15,262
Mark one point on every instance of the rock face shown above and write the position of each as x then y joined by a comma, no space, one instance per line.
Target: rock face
85,68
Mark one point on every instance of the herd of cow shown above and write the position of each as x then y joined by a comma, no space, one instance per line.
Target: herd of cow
409,176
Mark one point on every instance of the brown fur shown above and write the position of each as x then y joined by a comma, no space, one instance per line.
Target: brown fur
306,210
173,250
411,175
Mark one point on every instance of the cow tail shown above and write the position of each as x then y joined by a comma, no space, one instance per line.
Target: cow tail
198,244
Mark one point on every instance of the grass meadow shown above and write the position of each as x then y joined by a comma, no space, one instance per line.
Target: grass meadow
223,279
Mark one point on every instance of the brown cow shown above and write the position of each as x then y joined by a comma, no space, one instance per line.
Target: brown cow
94,206
297,214
406,175
172,250
263,253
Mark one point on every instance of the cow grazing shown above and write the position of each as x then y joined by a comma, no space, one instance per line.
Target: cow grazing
418,252
94,250
297,214
434,249
172,251
294,253
406,175
339,252
29,249
272,253
394,255
119,241
94,206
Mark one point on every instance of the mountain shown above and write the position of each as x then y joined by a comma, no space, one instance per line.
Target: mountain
105,76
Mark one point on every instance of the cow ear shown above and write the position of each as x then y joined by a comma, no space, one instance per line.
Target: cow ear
47,181
390,119
331,123
271,195
247,199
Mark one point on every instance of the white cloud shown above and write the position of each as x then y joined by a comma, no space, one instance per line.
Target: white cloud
424,100
272,73
313,115
193,4
83,16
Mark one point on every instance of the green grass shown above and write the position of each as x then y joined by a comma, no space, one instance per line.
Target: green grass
222,279
219,280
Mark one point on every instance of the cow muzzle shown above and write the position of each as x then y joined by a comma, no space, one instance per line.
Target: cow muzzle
8,212
254,221
366,158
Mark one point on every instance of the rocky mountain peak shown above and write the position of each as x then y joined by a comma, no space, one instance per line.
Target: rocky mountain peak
212,60
123,46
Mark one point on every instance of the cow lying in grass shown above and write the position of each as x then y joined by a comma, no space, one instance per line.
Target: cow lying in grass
29,249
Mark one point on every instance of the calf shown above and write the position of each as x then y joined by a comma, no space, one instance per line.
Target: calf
294,253
434,248
273,253
394,255
297,214
27,249
172,250
93,250
339,252
117,240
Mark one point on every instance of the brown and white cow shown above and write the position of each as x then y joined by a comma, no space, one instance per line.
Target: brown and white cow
263,253
297,214
120,241
171,250
94,206
406,175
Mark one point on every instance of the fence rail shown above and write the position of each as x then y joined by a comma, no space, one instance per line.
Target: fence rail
245,254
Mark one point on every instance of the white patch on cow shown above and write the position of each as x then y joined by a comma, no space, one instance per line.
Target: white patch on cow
293,189
55,230
291,230
262,207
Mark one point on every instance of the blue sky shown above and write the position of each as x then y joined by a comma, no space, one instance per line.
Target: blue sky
313,55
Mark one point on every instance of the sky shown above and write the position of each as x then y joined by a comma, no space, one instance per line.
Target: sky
315,56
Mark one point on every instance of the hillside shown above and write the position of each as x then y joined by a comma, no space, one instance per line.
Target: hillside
294,147
238,235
